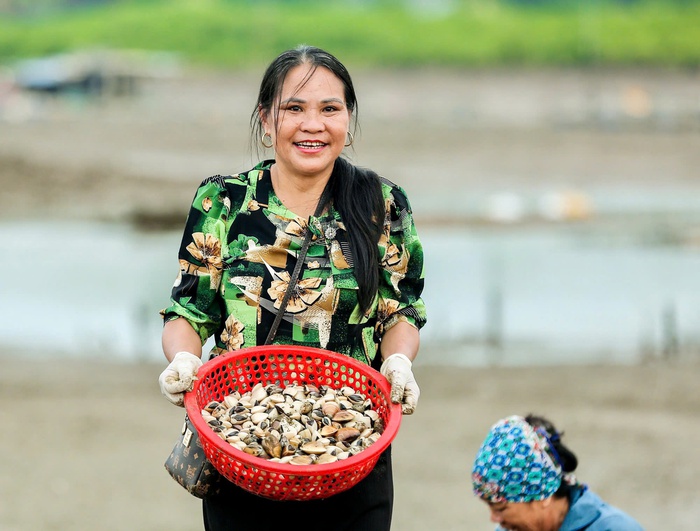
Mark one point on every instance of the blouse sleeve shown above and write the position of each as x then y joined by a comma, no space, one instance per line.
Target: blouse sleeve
195,292
401,258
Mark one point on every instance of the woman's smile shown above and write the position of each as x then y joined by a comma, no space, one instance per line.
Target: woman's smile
310,146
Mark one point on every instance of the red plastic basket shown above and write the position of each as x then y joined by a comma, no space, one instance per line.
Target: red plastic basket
286,365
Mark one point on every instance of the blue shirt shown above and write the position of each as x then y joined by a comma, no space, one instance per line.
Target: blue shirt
587,511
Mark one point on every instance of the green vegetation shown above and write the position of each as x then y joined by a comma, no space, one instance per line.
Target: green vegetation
243,33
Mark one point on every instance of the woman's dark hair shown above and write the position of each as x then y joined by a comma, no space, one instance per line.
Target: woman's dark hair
355,192
559,452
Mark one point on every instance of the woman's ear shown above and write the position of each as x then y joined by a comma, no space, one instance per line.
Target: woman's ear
263,115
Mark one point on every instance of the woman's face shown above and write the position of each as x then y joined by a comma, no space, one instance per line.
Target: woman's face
312,123
526,516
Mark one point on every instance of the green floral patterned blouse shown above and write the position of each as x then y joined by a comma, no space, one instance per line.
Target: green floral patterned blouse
239,248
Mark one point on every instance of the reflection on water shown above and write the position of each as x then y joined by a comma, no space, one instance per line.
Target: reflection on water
508,296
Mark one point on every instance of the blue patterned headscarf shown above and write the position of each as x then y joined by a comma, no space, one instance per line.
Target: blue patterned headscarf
514,465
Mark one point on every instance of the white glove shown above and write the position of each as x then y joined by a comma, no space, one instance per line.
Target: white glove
179,377
404,389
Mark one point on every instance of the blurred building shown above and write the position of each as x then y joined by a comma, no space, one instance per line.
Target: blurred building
93,72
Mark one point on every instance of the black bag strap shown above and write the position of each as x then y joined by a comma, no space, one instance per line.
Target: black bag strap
297,267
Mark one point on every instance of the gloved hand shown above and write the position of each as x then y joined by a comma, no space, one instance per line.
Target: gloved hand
404,389
179,376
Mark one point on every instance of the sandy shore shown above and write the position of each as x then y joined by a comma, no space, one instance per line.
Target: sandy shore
83,443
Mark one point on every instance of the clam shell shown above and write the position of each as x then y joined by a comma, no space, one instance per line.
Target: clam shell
346,435
344,416
254,449
257,418
330,409
272,446
314,447
211,406
327,431
301,460
258,392
325,458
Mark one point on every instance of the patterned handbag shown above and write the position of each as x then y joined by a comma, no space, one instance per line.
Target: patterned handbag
188,465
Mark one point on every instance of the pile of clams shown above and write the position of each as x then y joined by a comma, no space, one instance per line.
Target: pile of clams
298,424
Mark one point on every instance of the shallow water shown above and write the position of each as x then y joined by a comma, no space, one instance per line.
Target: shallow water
552,296
508,295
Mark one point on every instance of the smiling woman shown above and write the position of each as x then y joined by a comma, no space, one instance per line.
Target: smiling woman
345,232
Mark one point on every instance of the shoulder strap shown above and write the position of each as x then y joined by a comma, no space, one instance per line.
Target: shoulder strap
297,268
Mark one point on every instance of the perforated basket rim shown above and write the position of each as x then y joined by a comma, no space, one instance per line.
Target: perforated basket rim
372,452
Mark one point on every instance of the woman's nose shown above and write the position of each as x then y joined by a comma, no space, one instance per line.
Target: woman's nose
495,517
312,122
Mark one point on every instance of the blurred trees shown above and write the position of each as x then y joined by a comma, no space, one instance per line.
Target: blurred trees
39,6
405,33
